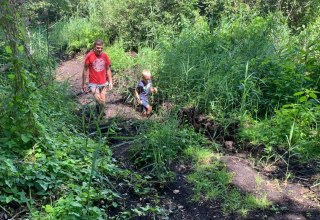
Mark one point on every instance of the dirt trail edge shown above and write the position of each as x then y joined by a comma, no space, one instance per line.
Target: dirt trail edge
294,201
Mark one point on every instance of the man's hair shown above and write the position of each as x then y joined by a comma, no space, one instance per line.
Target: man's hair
98,42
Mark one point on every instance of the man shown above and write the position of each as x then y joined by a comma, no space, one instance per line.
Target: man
100,76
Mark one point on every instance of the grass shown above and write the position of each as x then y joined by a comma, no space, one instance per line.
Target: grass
212,181
160,144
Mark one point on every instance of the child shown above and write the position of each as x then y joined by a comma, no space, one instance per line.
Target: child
142,91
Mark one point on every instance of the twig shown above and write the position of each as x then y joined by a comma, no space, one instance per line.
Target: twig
5,210
13,217
119,145
301,178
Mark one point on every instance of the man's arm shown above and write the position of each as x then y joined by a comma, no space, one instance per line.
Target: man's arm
109,76
84,78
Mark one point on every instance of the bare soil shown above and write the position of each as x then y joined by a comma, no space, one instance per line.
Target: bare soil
298,198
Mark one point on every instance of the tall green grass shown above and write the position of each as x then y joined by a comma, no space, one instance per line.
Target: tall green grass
162,144
209,68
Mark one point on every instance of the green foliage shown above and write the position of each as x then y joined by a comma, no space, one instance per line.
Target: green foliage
247,58
211,181
296,12
46,165
274,132
247,63
135,22
161,144
209,70
121,60
81,33
309,55
19,123
149,58
144,22
72,207
48,11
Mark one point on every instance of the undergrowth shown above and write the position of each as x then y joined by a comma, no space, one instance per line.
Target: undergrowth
212,181
160,145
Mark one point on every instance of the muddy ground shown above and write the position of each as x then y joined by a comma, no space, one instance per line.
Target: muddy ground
297,198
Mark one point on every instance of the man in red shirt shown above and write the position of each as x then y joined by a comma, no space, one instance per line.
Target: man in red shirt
100,76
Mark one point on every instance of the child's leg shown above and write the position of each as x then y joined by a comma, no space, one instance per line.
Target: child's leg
146,106
149,109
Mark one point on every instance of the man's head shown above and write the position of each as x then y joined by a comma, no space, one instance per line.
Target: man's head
146,75
97,47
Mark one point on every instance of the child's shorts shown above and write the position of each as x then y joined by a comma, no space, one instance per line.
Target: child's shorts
144,103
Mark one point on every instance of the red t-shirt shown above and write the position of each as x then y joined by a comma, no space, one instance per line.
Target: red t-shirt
97,67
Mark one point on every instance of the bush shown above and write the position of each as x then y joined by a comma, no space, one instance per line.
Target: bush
301,118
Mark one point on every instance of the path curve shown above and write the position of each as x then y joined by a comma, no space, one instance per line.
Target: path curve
71,71
245,177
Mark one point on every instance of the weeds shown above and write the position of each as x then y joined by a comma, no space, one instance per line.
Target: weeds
211,181
161,144
47,161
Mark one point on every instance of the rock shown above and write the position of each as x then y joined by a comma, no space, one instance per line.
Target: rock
229,145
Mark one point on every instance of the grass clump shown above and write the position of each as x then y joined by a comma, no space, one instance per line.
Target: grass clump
212,181
157,147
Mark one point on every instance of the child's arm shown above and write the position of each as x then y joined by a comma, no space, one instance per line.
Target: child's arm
137,91
136,94
154,89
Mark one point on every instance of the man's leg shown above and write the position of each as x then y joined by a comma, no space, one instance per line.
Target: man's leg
100,97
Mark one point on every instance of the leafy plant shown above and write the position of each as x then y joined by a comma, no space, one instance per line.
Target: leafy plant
160,145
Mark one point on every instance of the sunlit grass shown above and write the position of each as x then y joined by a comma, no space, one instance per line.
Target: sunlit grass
203,157
212,181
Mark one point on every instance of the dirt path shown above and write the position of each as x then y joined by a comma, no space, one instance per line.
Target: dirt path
71,71
294,200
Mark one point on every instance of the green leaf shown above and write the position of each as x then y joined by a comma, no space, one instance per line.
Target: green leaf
25,138
137,211
312,95
11,76
23,197
75,204
48,209
10,164
8,50
9,199
298,93
8,183
21,48
303,99
43,184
